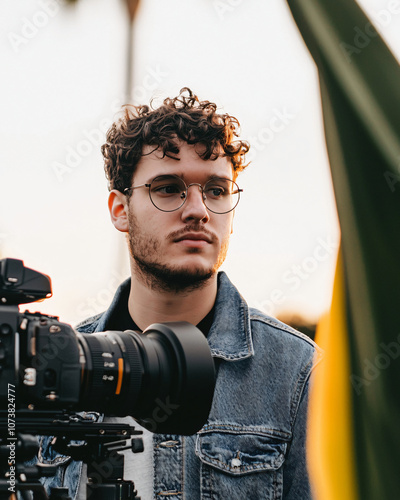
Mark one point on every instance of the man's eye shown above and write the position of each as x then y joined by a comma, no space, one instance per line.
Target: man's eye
168,189
215,191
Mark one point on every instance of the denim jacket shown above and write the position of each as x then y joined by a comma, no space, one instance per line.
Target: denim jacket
253,444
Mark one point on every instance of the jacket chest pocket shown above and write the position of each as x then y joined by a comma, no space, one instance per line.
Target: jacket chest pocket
240,465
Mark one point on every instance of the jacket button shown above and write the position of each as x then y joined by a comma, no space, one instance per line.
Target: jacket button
235,462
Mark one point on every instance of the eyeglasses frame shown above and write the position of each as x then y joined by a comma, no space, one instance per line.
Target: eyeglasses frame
201,187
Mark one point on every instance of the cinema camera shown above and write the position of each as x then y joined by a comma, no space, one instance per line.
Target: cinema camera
49,374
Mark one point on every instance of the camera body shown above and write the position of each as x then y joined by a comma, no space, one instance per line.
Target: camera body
40,357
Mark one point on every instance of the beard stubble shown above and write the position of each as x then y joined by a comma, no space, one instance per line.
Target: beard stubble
145,251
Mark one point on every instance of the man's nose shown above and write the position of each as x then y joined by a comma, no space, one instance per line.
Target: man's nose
194,208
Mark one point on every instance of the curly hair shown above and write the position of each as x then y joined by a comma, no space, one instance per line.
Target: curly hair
183,117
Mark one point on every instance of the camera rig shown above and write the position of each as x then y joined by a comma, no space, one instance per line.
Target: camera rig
90,442
50,376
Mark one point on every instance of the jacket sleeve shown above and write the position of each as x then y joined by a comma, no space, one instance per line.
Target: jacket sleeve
296,483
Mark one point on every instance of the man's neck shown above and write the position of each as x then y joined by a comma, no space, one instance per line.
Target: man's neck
147,305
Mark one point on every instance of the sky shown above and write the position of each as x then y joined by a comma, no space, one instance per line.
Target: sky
63,83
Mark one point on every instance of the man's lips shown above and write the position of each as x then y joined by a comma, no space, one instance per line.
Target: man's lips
194,237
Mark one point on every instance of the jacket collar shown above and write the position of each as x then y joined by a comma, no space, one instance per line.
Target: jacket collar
229,337
230,334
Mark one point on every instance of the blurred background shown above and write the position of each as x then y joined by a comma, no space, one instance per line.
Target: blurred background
65,76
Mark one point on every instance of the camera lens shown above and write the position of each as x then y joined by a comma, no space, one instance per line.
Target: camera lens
163,377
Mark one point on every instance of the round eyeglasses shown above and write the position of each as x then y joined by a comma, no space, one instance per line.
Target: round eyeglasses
169,192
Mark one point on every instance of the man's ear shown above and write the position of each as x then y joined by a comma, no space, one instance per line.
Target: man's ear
118,208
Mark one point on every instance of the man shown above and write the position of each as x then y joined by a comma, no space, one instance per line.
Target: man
172,173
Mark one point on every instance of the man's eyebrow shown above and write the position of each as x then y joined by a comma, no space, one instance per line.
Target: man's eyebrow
219,177
162,176
182,176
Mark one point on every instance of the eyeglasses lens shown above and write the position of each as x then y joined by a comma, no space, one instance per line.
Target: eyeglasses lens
168,193
221,195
